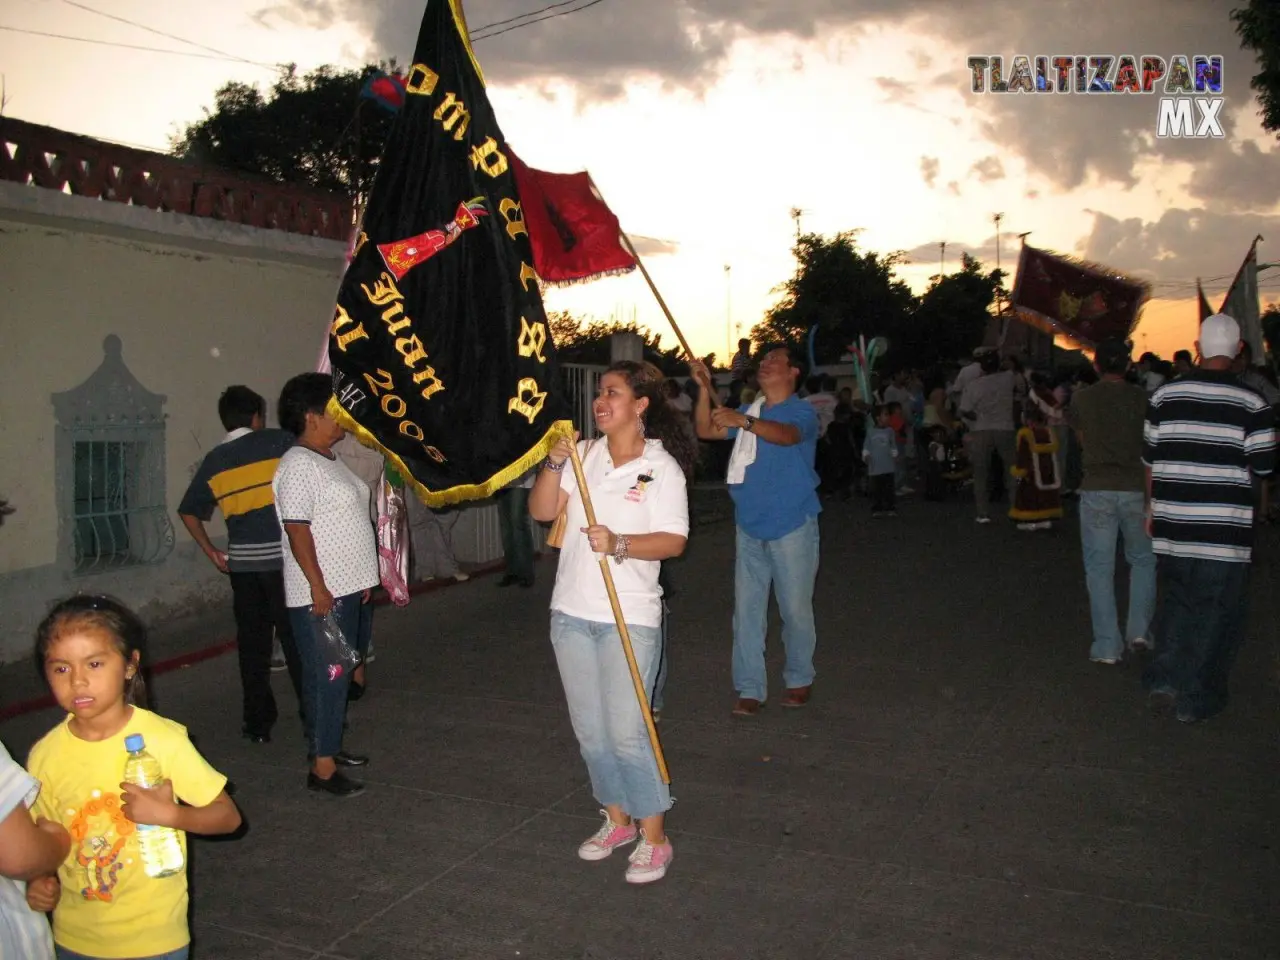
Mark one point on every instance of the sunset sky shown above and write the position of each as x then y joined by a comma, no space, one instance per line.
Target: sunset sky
704,122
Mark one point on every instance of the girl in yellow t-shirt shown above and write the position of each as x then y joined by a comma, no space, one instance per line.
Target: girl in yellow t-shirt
104,904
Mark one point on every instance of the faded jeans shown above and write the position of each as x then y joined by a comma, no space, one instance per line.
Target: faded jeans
790,565
605,714
1104,516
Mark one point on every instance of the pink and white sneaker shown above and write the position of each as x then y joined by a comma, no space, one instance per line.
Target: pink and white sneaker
610,835
649,861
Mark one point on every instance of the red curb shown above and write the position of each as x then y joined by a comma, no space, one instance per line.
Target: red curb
23,707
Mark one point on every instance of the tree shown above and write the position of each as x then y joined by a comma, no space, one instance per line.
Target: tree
577,342
1271,330
951,319
313,130
1258,25
841,290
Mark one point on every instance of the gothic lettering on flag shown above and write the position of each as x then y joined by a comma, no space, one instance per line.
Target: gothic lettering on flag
439,344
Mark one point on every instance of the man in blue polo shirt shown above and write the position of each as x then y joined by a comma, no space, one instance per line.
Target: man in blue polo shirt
774,489
236,477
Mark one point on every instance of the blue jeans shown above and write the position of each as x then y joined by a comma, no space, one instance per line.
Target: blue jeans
324,701
1205,607
64,954
1104,516
605,713
790,564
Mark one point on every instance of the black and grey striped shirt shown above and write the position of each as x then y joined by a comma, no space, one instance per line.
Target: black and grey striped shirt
1204,435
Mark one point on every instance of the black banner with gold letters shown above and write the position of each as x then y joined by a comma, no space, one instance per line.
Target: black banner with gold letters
440,349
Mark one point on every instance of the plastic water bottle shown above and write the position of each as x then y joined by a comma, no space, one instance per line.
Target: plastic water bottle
160,846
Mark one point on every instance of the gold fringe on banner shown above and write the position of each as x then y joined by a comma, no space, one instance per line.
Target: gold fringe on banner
464,492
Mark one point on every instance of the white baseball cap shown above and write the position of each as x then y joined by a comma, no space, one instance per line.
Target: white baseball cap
1219,336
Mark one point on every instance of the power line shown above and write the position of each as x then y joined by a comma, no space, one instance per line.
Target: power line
220,55
529,23
167,36
133,46
522,16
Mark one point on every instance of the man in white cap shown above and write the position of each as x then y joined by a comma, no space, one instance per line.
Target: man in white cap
1206,437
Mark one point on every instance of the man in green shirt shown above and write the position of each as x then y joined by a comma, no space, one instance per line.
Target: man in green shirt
1108,418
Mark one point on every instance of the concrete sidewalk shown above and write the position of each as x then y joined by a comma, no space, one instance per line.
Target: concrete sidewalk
965,783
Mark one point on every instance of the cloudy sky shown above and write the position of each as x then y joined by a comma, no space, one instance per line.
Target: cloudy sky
705,122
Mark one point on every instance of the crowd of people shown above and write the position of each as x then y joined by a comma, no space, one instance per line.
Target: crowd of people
1170,463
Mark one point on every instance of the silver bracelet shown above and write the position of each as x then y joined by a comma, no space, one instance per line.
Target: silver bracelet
622,548
554,467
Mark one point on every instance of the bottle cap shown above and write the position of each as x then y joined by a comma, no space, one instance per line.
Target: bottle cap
133,742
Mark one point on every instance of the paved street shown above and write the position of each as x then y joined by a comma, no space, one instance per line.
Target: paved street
964,784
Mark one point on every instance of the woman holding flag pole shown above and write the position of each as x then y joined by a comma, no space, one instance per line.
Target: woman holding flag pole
635,513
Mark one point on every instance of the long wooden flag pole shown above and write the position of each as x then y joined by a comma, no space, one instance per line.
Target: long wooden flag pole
631,249
642,695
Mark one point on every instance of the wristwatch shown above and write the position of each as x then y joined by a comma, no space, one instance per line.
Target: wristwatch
751,422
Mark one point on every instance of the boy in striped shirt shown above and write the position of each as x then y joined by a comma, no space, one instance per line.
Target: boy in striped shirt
1206,436
235,477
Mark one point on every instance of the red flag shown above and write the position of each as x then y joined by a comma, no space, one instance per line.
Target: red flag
1084,301
1205,310
574,234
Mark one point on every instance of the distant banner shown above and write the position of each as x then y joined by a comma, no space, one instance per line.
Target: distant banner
1203,307
1083,301
1241,303
439,347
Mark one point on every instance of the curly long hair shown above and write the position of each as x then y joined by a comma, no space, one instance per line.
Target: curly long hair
661,420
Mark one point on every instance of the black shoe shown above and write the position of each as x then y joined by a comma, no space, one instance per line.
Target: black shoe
354,691
508,580
256,736
344,759
337,785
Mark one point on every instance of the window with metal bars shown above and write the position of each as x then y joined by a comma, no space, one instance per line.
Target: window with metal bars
110,463
118,510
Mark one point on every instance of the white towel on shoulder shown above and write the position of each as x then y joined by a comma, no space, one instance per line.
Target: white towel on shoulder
744,447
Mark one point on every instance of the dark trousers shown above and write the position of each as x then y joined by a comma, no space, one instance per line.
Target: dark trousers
517,540
258,603
657,695
935,486
882,492
1204,609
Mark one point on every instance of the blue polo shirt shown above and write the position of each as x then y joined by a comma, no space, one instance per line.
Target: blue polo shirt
779,491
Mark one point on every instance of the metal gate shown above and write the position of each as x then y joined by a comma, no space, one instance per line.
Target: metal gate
581,381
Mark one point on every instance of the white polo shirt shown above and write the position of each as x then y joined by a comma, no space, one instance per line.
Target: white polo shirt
647,495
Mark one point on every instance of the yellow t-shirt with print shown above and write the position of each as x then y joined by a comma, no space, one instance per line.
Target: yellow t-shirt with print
109,907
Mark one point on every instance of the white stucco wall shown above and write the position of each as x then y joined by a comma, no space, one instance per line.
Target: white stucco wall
198,305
